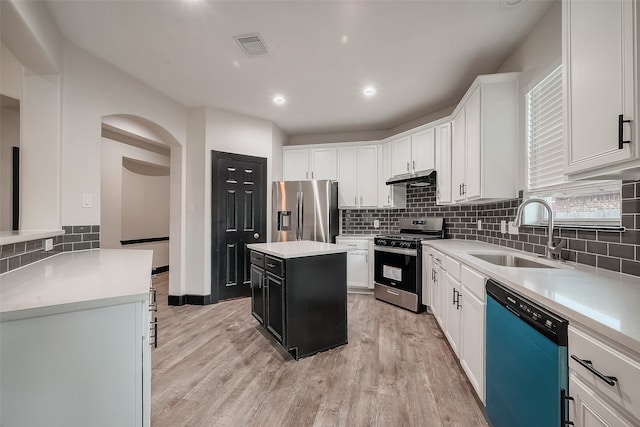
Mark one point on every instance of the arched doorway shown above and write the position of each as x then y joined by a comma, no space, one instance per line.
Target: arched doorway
141,191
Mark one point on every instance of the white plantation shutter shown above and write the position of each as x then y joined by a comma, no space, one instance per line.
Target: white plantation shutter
545,133
574,202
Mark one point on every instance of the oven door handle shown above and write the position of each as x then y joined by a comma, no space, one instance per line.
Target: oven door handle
410,252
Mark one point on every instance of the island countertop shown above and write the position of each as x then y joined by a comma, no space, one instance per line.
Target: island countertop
74,281
297,249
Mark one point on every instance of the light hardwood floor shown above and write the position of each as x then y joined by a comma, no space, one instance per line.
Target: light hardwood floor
215,367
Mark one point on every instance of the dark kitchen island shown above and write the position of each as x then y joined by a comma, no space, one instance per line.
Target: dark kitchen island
299,294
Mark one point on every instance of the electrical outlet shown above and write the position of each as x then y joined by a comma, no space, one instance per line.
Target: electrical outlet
479,225
376,223
48,245
87,200
503,226
512,228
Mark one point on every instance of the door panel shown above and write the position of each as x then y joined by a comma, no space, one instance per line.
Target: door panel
238,217
307,190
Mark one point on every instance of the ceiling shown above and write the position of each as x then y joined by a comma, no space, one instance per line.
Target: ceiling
420,55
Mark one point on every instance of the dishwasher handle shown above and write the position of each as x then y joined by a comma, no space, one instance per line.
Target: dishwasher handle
589,366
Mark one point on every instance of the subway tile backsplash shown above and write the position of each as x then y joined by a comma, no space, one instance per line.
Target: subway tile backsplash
76,237
611,250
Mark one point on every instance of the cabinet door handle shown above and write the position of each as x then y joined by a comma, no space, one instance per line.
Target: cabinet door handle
271,265
589,366
454,296
464,189
311,174
460,190
361,200
621,140
458,305
154,335
407,166
153,299
307,174
355,200
414,165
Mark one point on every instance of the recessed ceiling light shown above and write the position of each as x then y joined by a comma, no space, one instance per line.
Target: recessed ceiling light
344,39
369,91
279,100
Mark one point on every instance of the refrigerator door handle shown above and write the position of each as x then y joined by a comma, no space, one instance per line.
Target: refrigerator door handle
300,215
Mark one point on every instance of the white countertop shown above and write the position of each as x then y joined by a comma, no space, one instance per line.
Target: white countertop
356,236
8,237
604,301
74,281
297,249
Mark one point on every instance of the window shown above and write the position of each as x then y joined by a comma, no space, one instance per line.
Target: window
578,202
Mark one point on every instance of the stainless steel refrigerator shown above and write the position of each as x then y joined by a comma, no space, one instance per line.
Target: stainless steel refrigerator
305,210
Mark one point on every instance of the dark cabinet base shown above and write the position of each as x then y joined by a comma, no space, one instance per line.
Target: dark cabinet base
315,304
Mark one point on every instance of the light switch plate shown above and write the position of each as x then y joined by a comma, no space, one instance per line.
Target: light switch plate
48,245
376,223
479,225
87,200
503,226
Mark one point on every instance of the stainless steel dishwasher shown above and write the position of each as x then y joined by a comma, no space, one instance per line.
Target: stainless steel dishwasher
526,362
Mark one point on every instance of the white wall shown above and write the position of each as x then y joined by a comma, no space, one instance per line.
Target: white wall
118,197
9,138
145,205
538,55
40,153
93,89
11,74
228,132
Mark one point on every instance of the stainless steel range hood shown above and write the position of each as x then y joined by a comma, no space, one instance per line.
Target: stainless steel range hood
417,179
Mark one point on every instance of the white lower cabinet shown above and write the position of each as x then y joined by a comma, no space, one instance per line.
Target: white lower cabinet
458,304
604,382
89,367
452,313
590,410
472,340
359,262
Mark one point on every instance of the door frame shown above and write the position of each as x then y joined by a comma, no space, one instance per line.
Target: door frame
215,212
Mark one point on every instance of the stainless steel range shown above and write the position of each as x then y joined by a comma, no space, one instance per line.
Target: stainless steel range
398,262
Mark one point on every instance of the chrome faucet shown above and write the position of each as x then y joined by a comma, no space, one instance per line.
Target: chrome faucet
553,251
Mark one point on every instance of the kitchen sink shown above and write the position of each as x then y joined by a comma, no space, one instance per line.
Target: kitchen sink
510,261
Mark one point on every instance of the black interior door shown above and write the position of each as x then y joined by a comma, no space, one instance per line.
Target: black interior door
239,215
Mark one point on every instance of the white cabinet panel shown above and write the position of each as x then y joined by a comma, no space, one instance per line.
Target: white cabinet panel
401,156
471,188
358,177
443,164
600,78
423,150
295,164
472,341
389,196
452,313
368,176
484,142
324,163
80,368
358,262
590,410
347,177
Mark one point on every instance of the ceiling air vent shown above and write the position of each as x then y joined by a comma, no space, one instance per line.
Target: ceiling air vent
252,44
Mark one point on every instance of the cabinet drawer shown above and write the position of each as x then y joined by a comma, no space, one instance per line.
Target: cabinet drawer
452,267
257,259
473,281
625,392
274,265
353,243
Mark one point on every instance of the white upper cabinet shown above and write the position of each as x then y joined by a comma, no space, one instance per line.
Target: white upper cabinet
484,142
295,164
358,177
600,54
389,196
443,163
309,163
423,150
415,152
324,163
400,156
